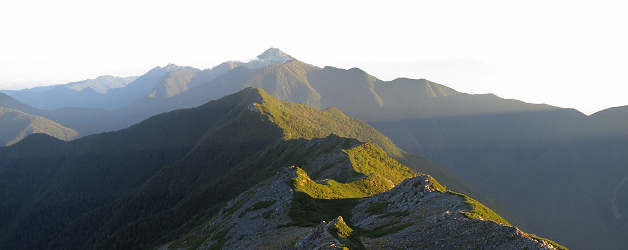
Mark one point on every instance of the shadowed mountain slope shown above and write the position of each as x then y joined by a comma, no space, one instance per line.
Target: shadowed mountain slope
147,184
555,150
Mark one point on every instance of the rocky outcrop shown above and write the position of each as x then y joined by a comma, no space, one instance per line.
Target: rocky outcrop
257,219
320,237
413,215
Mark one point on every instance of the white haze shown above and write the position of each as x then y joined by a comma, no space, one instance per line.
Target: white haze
565,53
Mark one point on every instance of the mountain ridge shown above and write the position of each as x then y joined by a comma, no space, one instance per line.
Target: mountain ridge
168,171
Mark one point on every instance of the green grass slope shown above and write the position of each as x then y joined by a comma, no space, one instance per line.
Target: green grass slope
303,121
381,174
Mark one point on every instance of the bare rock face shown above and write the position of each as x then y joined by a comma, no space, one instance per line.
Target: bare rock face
258,218
415,215
320,237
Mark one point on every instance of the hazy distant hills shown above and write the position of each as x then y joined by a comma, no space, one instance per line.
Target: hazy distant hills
173,87
92,93
109,103
612,121
9,102
362,95
353,91
15,125
153,182
84,121
109,92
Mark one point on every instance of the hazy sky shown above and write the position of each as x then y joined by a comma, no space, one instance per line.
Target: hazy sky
564,53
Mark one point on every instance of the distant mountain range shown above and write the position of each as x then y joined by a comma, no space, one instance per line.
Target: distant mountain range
537,162
353,91
84,121
110,93
94,93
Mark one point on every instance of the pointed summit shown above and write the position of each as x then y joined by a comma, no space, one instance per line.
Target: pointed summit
171,67
274,54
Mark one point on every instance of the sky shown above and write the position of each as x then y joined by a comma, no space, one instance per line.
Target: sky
564,53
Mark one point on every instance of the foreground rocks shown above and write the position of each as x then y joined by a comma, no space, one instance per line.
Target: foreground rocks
426,218
413,215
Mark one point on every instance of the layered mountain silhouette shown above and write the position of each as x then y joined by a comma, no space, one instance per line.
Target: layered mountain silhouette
110,93
353,91
84,121
16,123
173,87
110,103
538,162
153,182
100,92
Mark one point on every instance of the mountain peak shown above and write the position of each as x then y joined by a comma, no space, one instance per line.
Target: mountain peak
252,94
105,77
271,56
171,67
274,54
